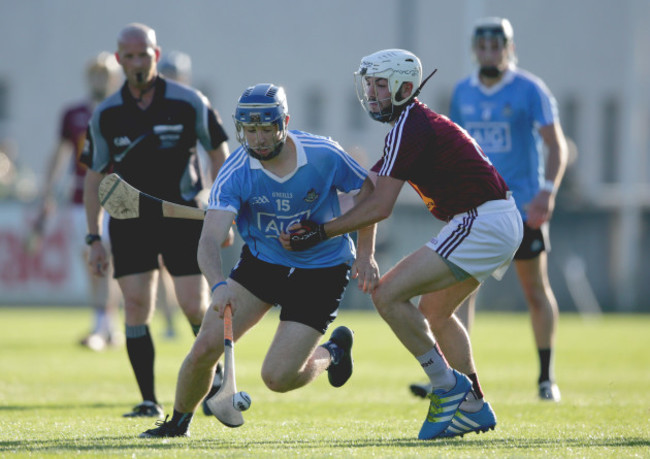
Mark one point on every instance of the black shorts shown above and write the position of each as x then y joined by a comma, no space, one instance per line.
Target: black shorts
136,244
307,296
534,242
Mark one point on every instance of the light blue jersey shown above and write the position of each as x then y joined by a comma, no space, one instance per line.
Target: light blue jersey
266,205
504,120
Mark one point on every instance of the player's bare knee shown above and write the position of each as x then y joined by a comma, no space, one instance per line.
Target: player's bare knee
194,311
436,317
202,354
276,380
137,310
381,301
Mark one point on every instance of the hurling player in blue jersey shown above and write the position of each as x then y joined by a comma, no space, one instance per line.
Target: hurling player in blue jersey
275,179
513,116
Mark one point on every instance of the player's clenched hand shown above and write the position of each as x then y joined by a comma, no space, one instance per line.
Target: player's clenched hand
97,260
540,209
365,269
221,297
303,235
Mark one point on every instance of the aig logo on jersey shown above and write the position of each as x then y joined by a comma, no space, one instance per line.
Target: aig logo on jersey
272,225
492,136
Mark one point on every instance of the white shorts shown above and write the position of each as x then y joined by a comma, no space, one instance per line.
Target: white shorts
482,241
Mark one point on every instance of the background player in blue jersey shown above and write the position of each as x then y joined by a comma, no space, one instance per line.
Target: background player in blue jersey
275,179
513,116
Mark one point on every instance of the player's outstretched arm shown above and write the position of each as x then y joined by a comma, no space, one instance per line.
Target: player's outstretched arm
372,206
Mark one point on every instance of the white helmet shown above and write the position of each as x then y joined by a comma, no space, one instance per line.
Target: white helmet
397,66
493,27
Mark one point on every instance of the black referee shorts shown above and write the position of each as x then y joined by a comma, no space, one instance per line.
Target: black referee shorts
307,296
136,244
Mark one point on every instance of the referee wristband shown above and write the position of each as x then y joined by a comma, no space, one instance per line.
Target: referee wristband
549,186
214,287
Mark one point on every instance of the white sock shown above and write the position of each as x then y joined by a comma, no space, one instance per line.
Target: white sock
100,321
471,404
437,369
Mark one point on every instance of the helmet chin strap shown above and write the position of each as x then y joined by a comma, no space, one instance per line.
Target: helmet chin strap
276,151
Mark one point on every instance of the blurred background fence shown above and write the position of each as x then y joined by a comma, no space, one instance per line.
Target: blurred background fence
592,55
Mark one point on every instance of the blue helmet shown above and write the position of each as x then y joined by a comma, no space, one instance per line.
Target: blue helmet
262,105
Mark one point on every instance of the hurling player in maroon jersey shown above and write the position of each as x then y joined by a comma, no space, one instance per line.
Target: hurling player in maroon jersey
102,77
460,186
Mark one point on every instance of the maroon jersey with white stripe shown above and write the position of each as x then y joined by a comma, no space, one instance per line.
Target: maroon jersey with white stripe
441,161
73,128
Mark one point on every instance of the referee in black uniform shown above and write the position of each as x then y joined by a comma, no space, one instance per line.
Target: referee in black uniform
146,132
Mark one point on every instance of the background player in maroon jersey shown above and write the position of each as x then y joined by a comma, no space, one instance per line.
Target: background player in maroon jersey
102,78
460,186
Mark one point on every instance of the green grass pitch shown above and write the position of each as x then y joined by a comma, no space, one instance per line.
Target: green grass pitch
59,399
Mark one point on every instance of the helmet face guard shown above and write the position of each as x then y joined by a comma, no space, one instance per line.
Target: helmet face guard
367,85
493,28
396,66
261,107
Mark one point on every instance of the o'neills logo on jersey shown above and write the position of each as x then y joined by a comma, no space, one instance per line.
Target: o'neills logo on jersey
123,141
311,196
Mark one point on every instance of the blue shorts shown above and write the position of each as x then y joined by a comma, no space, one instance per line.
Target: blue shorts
307,296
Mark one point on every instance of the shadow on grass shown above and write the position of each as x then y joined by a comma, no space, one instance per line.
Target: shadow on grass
54,406
105,444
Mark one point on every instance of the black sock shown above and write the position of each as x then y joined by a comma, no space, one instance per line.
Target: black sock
545,356
141,354
182,420
476,386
